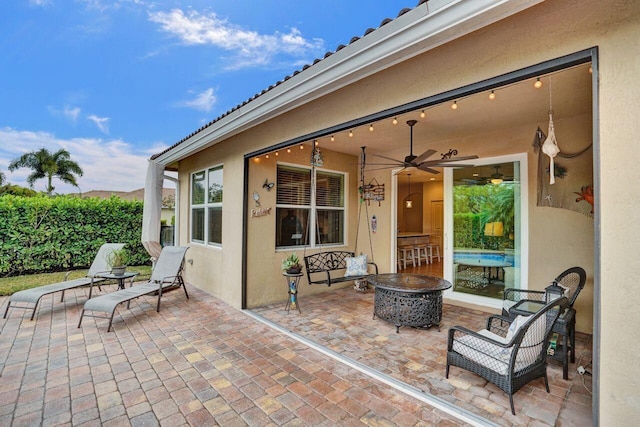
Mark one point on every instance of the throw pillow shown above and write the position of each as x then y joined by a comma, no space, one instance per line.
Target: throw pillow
356,266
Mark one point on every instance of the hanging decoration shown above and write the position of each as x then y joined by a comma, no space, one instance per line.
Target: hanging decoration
268,185
374,224
316,156
373,191
572,177
550,145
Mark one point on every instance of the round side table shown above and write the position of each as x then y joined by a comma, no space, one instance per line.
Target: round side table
292,288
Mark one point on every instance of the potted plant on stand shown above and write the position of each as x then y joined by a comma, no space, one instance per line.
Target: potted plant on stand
291,264
118,260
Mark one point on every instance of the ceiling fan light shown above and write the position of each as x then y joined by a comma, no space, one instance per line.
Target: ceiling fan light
496,181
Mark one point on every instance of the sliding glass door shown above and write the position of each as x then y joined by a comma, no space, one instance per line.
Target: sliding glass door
485,223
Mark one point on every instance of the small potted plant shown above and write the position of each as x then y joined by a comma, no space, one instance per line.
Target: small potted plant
118,259
291,264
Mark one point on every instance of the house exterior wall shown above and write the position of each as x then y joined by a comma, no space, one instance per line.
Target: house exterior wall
549,30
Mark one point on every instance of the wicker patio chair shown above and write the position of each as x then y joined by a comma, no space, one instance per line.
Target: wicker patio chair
506,356
572,280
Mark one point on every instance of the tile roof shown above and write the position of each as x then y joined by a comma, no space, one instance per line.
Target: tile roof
305,67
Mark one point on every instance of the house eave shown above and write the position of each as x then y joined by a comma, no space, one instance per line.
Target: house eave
429,25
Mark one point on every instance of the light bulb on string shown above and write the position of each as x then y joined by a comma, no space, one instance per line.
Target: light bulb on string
395,121
538,83
350,134
301,147
315,141
276,153
371,128
332,138
492,95
454,106
267,156
288,150
422,114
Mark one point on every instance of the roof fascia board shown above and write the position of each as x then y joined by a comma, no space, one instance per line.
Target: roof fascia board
410,34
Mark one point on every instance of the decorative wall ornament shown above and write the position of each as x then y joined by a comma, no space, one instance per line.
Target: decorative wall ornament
255,213
256,198
268,185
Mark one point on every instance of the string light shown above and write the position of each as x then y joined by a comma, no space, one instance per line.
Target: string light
276,153
267,156
454,106
395,121
332,138
422,114
301,147
288,150
492,95
350,134
371,128
538,83
315,141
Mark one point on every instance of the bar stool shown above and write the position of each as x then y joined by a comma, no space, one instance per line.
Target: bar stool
422,251
406,254
431,247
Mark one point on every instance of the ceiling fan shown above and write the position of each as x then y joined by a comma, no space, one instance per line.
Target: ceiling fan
420,162
495,178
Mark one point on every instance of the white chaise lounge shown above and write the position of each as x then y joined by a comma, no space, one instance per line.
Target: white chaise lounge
24,299
166,274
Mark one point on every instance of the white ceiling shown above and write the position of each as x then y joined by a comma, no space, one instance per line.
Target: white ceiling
515,105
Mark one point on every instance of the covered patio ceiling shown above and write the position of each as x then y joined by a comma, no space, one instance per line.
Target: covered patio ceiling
515,105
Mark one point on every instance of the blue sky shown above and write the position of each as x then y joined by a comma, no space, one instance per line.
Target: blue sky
115,81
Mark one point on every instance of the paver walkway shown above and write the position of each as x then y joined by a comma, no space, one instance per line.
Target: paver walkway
198,362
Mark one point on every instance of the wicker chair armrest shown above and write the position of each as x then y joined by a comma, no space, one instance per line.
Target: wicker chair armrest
455,331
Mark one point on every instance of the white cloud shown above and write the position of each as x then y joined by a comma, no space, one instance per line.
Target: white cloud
40,3
70,113
101,122
202,102
250,47
107,164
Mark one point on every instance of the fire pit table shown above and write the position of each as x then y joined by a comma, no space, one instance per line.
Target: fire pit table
408,299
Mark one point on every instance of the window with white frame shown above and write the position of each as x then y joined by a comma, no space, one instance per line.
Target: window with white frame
305,217
206,206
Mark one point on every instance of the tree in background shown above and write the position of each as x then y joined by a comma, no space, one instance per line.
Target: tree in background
2,178
47,165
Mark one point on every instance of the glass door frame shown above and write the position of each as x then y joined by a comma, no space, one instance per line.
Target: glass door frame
522,209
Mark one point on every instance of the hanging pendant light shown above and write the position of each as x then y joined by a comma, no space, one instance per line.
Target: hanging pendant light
409,203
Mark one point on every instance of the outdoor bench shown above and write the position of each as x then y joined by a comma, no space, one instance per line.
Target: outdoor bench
322,267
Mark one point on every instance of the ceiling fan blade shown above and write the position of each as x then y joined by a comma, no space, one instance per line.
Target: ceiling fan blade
424,156
399,172
389,158
379,169
449,165
428,169
383,164
456,159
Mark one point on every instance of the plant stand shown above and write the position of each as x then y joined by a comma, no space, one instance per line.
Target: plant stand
293,279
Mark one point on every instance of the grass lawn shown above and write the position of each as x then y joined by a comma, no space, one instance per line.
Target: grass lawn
10,285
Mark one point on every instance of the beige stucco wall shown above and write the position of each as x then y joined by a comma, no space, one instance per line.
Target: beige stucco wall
549,30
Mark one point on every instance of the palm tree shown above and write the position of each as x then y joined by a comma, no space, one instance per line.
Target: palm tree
47,165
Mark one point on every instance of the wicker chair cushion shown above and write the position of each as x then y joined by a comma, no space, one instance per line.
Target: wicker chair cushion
485,352
356,266
515,326
507,304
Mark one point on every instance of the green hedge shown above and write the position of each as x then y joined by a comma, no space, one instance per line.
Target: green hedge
469,233
46,234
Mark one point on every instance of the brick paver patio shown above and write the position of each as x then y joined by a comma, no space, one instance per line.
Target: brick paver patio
342,320
197,362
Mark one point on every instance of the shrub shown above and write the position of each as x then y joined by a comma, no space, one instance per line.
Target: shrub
46,234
